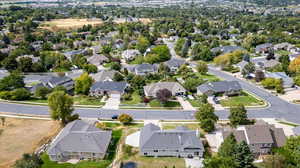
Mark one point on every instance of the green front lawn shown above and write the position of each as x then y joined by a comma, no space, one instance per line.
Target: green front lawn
107,65
87,100
135,99
244,99
208,77
195,102
156,103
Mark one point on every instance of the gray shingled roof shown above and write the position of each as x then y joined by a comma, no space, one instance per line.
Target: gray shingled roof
79,136
219,87
141,68
54,81
258,134
109,86
103,75
226,49
296,131
174,62
151,137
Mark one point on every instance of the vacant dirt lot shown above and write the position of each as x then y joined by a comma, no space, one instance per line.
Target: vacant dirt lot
20,136
69,23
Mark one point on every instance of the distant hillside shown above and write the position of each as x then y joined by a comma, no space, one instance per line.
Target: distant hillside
271,2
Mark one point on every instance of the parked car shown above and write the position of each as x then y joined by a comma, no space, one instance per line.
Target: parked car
115,117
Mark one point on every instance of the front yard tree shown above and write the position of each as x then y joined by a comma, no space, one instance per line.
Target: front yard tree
29,161
238,116
207,117
83,84
61,107
42,92
202,67
12,81
125,119
248,69
259,75
227,148
163,95
243,156
143,44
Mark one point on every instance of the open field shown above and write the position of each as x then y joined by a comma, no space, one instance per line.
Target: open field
69,23
23,136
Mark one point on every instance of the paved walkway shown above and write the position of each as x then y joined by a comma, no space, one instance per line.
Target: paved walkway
193,163
186,105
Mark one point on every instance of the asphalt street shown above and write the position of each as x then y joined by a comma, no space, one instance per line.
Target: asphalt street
278,108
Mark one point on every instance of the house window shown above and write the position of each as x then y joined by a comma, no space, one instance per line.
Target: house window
145,154
155,150
196,153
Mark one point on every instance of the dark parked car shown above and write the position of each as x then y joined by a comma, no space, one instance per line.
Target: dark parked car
114,117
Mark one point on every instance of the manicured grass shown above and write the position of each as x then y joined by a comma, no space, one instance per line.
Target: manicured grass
107,65
159,162
289,124
244,99
87,100
195,102
137,60
208,77
156,103
36,100
136,98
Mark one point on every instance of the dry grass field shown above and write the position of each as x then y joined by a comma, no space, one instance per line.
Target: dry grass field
20,136
70,23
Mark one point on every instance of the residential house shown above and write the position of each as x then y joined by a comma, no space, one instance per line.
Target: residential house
97,59
264,48
265,64
119,44
225,49
286,46
174,64
144,69
54,81
130,54
104,75
228,88
69,54
287,81
37,45
179,142
296,131
33,58
260,137
81,141
176,89
108,87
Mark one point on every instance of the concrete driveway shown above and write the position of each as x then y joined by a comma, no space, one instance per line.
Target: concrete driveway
112,102
193,163
186,105
133,139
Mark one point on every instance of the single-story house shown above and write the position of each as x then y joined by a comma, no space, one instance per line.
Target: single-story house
107,87
285,46
222,87
288,82
176,89
225,49
54,81
97,59
260,137
130,54
174,64
104,75
263,48
179,142
79,140
144,69
33,58
264,64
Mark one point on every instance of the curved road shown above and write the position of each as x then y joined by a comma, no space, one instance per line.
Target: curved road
278,108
